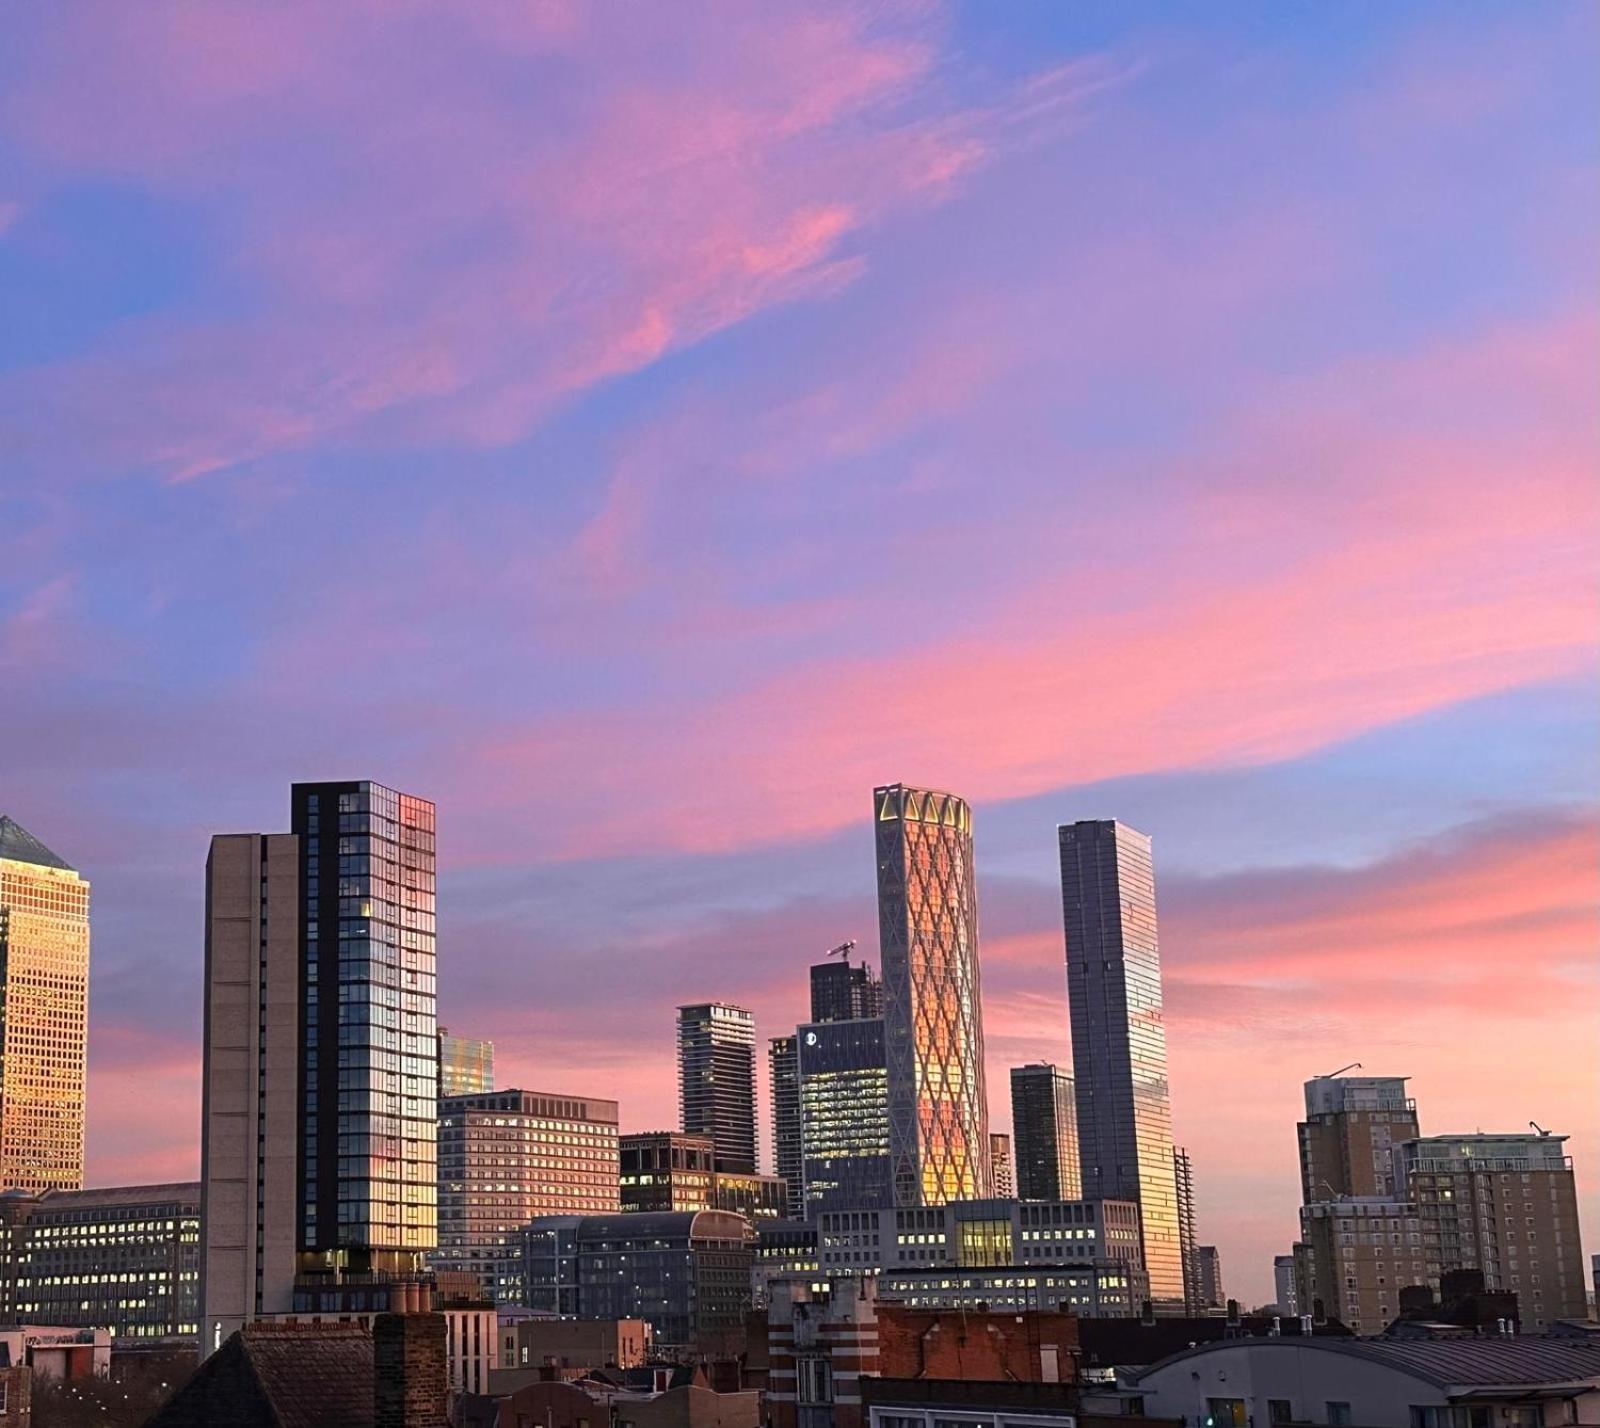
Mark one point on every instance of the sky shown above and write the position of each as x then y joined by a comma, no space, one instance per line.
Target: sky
643,429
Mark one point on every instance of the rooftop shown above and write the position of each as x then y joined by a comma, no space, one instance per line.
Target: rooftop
1444,1363
17,845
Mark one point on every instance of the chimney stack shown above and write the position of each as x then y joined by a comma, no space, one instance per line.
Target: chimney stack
410,1383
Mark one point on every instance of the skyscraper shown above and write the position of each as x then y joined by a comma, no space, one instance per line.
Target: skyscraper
717,1081
1284,1291
44,1013
1183,1179
1044,1129
466,1065
318,1146
1209,1276
783,1066
1119,1043
933,1012
843,991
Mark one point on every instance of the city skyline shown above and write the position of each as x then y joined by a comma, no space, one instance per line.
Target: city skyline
1176,415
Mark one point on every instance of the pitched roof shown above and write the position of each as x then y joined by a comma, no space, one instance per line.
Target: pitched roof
280,1376
20,846
1444,1363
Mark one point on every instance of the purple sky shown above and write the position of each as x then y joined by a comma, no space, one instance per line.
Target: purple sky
643,429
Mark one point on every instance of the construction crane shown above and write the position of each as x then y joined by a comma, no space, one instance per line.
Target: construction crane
844,949
1353,1066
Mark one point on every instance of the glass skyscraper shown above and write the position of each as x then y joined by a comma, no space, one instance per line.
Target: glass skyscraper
466,1065
1119,1041
369,1172
44,1014
928,937
717,1081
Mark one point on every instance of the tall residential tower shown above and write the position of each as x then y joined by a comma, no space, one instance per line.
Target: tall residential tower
717,1081
1119,1041
318,1140
933,1012
44,1014
1044,1128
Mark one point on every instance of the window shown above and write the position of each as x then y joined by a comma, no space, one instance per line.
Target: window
1225,1413
1279,1410
1338,1414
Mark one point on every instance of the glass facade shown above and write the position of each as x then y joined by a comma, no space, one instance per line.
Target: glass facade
44,1014
717,1081
844,1116
466,1065
507,1157
1119,1040
928,934
124,1259
1044,1129
369,1039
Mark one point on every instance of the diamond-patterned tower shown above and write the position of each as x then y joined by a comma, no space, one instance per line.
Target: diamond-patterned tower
928,939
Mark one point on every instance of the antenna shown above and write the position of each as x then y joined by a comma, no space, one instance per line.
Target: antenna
1353,1066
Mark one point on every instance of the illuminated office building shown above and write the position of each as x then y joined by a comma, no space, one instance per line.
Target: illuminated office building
844,1116
717,1081
507,1157
466,1065
319,1165
44,1011
667,1170
933,1013
783,1066
124,1259
1119,1040
1044,1129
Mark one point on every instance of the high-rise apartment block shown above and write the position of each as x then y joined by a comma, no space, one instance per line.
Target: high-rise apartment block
1209,1276
1348,1137
1284,1291
506,1157
844,991
783,1068
933,1011
1044,1129
466,1065
844,1115
1001,1175
1119,1040
44,1013
717,1081
1506,1205
318,1150
1183,1179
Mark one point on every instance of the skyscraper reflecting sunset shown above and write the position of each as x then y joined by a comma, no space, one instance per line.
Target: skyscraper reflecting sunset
928,935
1119,1040
44,1010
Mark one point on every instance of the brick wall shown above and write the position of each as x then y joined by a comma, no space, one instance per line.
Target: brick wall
1035,1347
411,1386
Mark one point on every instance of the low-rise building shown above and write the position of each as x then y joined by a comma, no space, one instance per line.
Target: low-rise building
125,1259
688,1273
577,1343
1377,1383
785,1249
669,1170
1088,1290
